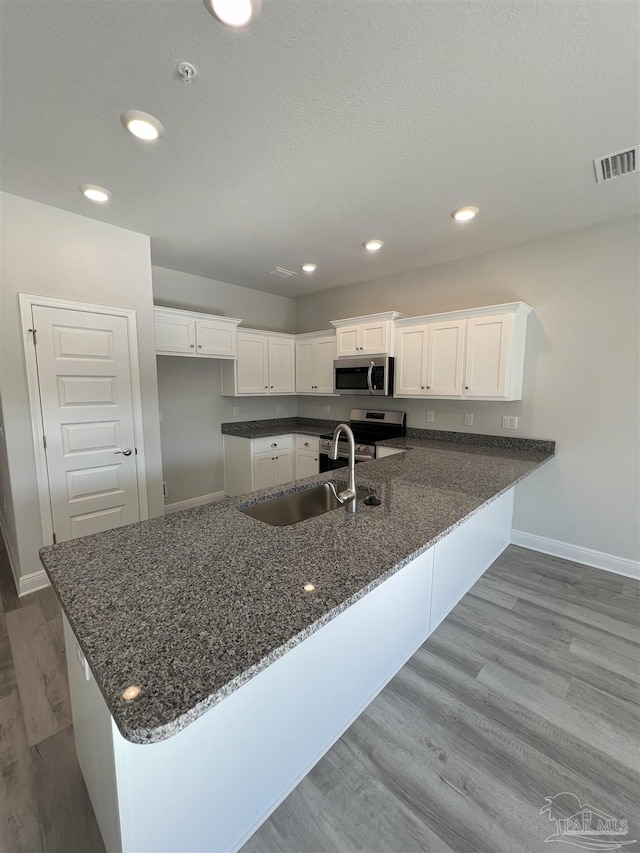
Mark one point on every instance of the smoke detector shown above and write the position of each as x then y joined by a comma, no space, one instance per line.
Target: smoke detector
616,165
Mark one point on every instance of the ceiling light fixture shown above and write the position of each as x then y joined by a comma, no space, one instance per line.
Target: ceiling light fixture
464,214
95,193
309,267
142,125
234,13
373,245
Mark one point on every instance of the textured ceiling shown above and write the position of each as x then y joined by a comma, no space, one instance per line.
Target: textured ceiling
325,123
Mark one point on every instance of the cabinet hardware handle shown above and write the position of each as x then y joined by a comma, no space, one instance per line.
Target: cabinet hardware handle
466,387
428,387
199,346
306,444
422,386
275,444
272,386
192,346
266,386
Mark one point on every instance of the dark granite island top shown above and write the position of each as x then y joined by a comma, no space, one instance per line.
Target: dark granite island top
190,606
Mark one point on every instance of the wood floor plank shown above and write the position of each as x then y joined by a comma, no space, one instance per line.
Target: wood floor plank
37,646
626,714
7,672
20,830
604,734
67,820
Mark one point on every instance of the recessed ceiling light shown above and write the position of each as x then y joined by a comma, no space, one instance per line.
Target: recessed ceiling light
373,245
309,267
95,193
234,13
142,125
464,214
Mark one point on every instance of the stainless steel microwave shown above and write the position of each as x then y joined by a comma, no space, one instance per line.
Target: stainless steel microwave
364,376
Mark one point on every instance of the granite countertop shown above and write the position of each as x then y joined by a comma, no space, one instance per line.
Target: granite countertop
191,605
278,426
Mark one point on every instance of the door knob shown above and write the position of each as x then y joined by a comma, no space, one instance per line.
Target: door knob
126,452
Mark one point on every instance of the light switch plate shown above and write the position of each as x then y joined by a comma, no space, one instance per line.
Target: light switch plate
278,409
431,417
509,422
468,419
236,411
327,410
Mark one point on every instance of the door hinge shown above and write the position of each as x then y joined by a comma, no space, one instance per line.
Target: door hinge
33,332
136,450
44,441
55,540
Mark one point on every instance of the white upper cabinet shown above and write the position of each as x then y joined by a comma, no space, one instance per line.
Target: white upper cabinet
477,354
411,361
265,365
487,356
370,335
193,334
314,363
445,358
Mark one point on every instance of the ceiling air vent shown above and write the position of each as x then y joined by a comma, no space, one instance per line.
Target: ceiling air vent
618,164
282,272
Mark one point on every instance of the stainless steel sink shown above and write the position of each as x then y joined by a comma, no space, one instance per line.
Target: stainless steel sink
299,506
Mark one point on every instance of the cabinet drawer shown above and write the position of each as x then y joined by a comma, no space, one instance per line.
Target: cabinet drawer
273,442
307,442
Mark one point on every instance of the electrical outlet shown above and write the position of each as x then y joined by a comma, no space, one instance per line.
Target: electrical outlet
165,490
509,422
327,410
431,417
278,409
236,411
468,419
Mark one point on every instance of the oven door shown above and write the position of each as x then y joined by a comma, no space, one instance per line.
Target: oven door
327,464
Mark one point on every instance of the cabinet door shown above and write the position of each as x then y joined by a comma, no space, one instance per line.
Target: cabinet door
307,463
252,364
264,471
305,359
215,339
348,340
175,335
445,359
487,352
375,337
411,358
283,467
281,366
325,353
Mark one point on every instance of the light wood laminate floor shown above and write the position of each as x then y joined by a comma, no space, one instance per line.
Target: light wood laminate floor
529,689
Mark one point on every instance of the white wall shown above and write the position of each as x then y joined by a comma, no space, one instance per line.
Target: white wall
189,388
50,252
581,374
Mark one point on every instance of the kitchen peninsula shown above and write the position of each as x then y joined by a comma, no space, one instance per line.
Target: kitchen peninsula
213,658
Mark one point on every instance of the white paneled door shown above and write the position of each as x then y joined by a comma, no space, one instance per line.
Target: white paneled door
84,378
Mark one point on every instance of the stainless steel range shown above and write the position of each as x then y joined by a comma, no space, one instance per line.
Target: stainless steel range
369,427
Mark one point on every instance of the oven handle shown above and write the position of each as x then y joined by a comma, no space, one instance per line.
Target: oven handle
369,376
358,457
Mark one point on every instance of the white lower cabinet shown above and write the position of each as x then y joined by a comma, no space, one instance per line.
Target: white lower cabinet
307,456
259,463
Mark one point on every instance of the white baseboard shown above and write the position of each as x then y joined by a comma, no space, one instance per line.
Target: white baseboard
33,582
578,554
203,499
